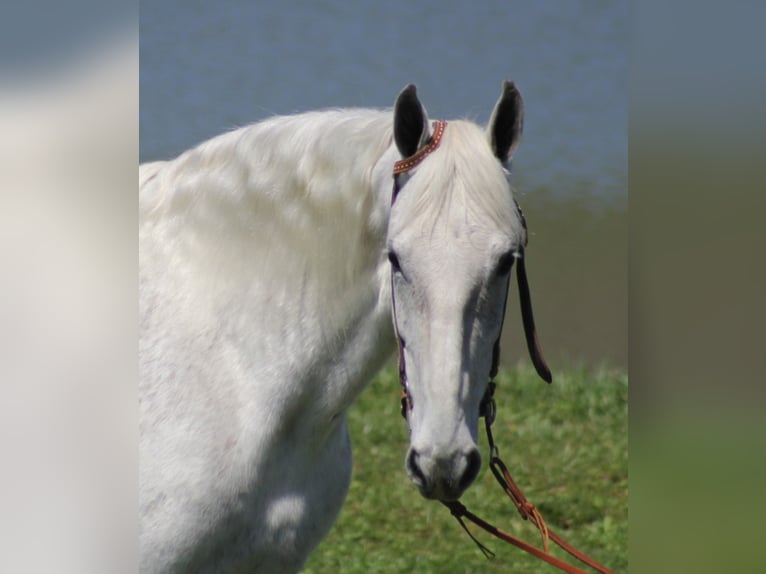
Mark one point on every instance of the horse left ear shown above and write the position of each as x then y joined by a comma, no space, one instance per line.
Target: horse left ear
506,123
410,122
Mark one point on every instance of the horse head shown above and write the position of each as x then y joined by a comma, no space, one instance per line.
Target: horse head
454,233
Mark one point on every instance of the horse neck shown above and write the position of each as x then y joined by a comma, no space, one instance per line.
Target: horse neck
284,223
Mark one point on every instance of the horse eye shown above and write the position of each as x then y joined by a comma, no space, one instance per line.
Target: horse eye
394,260
505,263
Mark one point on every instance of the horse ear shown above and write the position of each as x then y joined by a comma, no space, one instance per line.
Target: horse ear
410,122
506,122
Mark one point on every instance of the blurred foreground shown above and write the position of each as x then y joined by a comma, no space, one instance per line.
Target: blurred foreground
68,283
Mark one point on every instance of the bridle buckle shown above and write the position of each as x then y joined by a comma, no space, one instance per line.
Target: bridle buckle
487,407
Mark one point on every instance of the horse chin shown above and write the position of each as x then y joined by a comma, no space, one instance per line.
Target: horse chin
438,491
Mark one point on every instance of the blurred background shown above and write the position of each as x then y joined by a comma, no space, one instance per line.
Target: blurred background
206,68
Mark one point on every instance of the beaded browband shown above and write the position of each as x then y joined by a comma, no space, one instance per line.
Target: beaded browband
408,163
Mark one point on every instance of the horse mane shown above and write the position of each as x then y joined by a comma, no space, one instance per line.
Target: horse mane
292,194
302,148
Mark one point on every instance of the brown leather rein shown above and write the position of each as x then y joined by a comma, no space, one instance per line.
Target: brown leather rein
526,509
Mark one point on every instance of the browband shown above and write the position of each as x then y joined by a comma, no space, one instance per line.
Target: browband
406,164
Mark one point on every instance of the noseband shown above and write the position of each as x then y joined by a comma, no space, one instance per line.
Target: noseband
526,509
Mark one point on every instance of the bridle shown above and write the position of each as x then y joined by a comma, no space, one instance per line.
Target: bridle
487,409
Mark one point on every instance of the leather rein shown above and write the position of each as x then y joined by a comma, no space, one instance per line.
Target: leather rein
487,409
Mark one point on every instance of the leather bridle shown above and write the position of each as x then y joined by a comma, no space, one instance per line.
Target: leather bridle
487,409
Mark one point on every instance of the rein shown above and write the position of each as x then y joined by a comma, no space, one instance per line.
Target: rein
487,408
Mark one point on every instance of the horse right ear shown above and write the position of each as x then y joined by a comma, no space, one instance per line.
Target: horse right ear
506,123
410,122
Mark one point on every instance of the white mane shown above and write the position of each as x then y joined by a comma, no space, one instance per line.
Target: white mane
247,187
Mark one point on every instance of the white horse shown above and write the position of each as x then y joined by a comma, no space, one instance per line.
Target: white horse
268,257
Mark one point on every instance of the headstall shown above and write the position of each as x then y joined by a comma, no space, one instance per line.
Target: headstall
487,409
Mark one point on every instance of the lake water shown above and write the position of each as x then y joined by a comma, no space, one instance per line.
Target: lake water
207,67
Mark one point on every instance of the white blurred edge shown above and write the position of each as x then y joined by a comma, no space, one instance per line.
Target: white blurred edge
68,282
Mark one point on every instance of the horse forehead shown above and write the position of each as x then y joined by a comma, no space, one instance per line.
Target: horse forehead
458,235
455,260
450,217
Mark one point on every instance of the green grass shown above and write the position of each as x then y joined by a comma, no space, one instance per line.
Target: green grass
565,444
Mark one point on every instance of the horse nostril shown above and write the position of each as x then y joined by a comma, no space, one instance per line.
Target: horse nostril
472,467
413,468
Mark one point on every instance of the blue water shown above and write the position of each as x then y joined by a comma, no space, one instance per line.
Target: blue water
207,67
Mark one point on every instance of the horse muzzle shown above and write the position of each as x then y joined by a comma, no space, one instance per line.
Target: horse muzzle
443,477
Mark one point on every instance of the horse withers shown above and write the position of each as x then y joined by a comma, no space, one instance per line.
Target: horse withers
269,260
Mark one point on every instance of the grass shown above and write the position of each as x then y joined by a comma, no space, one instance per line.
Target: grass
565,444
